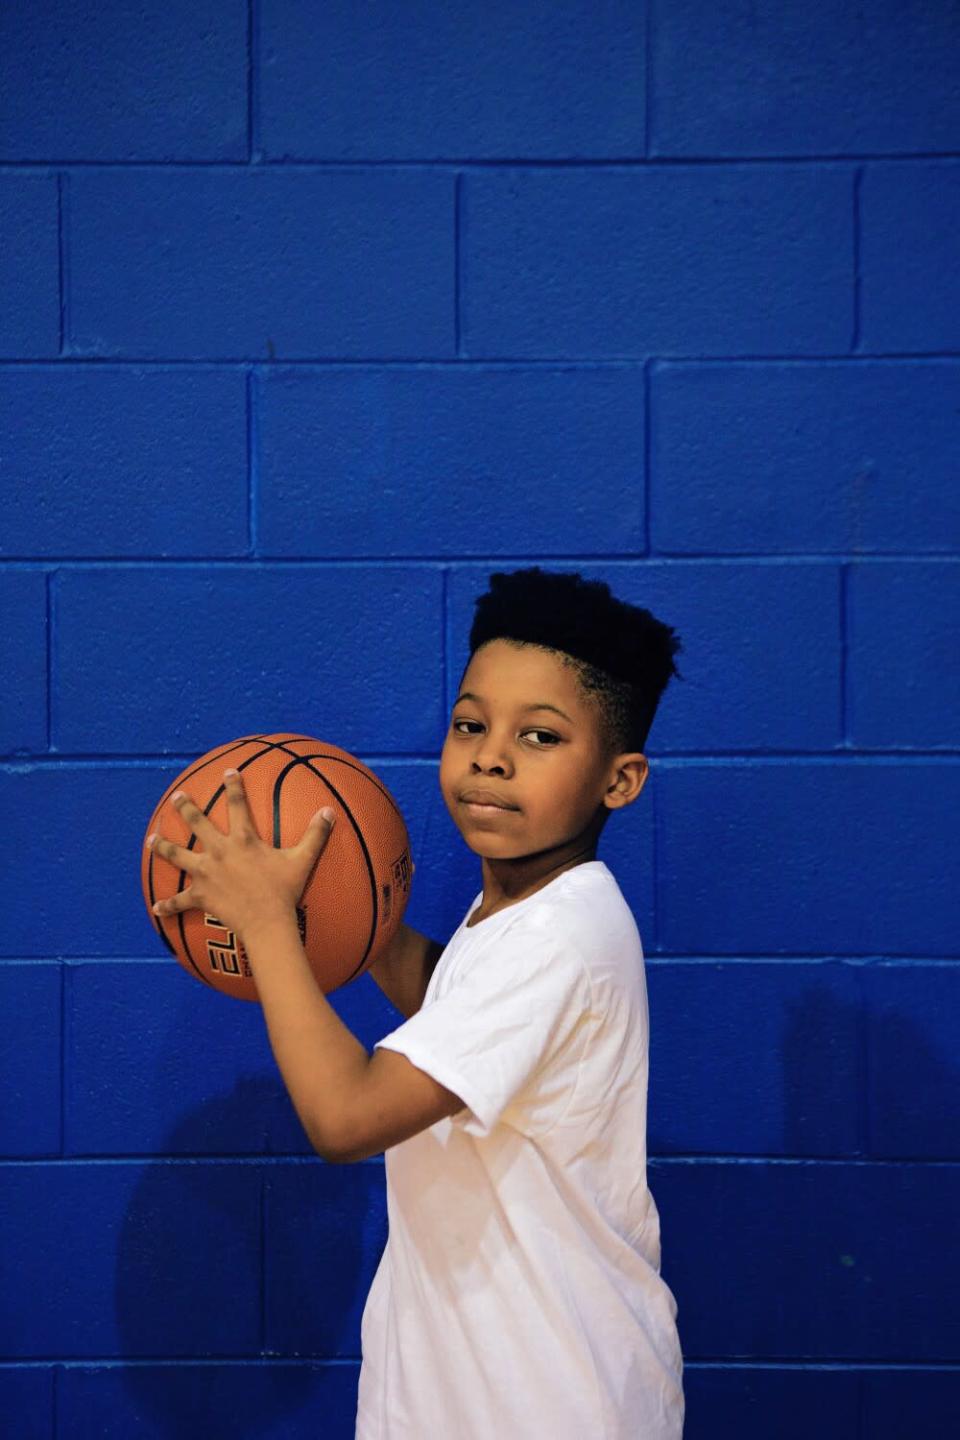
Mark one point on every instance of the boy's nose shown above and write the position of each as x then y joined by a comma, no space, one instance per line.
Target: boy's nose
488,769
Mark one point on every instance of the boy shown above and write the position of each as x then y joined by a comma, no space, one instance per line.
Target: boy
519,1294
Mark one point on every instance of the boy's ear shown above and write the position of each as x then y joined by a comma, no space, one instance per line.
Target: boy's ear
631,775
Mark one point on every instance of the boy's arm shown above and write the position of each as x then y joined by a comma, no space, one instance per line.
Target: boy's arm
351,1104
403,972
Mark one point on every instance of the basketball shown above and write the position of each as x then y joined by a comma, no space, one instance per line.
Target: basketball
354,900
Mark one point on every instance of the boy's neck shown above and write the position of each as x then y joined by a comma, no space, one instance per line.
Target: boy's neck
507,881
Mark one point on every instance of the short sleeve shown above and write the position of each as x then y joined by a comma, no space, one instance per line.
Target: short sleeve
519,1005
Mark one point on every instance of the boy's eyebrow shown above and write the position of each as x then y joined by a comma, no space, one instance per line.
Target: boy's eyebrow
539,705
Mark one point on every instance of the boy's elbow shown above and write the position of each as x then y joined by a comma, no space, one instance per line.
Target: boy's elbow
342,1156
333,1151
338,1157
334,1136
321,1146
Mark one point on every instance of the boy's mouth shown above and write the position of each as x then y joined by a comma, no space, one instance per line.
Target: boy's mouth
485,802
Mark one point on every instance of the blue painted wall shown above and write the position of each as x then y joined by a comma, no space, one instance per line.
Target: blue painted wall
311,316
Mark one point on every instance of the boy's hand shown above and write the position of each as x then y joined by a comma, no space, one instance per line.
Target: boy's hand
239,878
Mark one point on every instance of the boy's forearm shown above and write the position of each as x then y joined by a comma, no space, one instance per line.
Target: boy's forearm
320,1059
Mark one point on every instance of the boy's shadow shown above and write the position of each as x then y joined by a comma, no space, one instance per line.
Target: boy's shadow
242,1248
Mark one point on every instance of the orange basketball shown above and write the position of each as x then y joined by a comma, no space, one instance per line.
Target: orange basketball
357,892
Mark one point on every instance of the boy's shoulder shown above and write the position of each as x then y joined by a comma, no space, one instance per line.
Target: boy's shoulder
585,911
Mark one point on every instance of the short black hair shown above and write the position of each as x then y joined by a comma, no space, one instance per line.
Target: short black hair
623,655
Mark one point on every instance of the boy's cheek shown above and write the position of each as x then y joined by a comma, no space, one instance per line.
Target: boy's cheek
446,768
449,796
450,790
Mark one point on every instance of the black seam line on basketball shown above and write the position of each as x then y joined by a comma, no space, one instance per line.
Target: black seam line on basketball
273,745
367,775
374,888
183,875
339,760
321,755
220,756
190,772
157,923
268,745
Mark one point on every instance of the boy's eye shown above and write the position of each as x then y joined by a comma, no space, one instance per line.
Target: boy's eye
548,733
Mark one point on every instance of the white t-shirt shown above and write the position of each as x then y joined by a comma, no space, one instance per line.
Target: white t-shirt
519,1294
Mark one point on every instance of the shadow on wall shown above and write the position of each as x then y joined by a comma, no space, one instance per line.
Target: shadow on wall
777,1267
788,1249
221,1261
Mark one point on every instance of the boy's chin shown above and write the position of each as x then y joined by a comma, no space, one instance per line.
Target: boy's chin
494,846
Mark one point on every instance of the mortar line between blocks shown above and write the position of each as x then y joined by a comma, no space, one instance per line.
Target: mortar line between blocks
844,589
63,969
457,261
49,589
655,866
61,261
252,467
251,83
647,453
262,1337
445,639
857,243
647,78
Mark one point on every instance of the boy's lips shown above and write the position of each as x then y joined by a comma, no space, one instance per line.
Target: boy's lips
486,797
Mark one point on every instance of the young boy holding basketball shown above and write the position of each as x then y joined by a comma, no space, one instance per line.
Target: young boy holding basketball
519,1294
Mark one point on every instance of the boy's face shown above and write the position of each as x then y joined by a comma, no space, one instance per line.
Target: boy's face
550,768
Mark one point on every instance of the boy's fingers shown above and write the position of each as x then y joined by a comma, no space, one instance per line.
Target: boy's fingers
240,821
178,855
200,824
171,906
317,832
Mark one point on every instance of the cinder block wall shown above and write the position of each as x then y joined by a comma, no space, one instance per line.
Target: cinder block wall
314,315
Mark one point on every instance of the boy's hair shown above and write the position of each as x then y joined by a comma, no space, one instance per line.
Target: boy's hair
622,655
